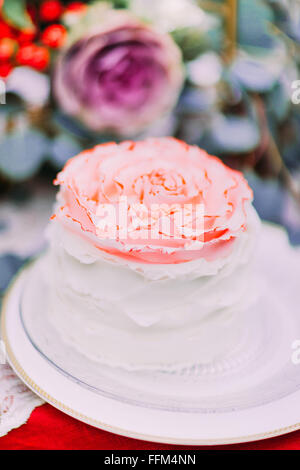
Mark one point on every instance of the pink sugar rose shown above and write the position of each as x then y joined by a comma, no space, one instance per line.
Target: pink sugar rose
149,174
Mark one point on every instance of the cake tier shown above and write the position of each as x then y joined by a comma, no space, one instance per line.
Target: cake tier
147,316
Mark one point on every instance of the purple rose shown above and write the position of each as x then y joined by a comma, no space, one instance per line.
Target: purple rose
118,74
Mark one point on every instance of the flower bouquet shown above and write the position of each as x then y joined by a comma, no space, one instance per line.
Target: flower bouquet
219,74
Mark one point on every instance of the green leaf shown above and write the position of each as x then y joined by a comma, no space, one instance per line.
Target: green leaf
191,41
14,12
120,3
22,153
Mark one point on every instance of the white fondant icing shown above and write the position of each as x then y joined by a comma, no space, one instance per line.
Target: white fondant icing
137,315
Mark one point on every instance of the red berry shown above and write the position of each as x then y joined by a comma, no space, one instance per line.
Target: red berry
50,10
41,58
76,7
26,36
25,54
5,69
54,36
8,47
34,56
5,30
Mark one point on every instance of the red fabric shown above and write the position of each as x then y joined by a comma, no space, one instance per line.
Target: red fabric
48,428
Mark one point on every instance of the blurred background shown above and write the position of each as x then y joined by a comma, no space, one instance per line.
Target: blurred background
222,74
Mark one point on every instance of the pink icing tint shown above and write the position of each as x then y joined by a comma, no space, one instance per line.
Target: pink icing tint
156,171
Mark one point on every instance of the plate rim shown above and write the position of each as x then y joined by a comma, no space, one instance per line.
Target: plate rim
65,408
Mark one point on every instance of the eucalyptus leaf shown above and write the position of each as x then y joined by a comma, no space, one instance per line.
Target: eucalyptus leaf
290,154
196,101
63,148
234,134
14,12
22,153
291,144
71,125
253,75
278,101
254,19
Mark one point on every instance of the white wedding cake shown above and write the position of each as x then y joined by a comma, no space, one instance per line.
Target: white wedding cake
145,303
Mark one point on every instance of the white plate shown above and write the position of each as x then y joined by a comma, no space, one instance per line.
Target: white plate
252,394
